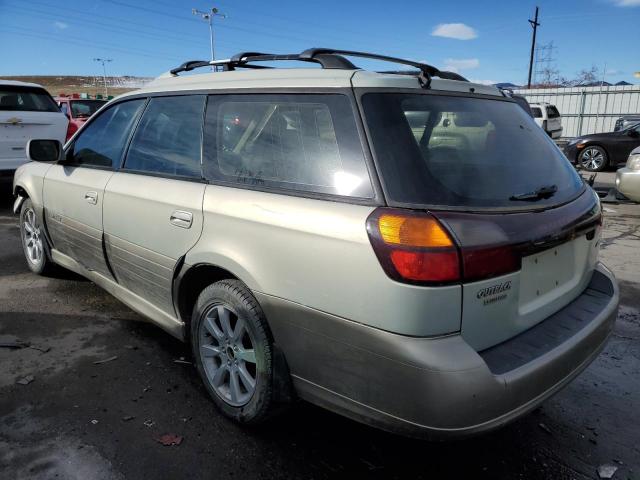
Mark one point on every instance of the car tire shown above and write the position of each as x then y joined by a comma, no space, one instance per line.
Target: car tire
34,243
593,158
233,350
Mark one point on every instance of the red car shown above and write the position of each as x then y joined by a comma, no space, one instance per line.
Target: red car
77,110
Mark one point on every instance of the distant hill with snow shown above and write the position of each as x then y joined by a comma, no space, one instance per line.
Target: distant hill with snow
56,84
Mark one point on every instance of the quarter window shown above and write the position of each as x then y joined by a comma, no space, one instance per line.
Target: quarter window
101,143
168,138
298,142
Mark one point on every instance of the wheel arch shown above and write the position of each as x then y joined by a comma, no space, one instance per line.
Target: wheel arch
189,282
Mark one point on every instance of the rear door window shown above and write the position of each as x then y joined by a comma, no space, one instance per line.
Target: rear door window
307,143
537,112
26,99
552,112
168,139
437,150
102,142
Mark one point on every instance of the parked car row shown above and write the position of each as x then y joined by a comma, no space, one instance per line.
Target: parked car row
27,111
598,151
435,276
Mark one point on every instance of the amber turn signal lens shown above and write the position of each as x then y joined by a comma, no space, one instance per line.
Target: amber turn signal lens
413,231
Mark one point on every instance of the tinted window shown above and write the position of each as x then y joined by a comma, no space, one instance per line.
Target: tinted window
537,112
552,112
26,99
299,142
85,108
168,138
464,152
102,142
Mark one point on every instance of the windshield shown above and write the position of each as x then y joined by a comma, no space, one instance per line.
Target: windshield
85,108
26,99
437,150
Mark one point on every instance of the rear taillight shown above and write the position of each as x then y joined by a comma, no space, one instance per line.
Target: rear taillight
486,262
71,129
413,247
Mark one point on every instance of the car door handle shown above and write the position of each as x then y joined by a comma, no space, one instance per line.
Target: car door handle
91,197
181,219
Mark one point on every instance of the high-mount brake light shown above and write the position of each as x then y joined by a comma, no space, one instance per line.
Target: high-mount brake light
413,247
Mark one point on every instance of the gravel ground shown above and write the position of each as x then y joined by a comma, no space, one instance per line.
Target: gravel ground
81,420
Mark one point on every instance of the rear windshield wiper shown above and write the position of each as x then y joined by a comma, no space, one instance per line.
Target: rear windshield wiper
546,191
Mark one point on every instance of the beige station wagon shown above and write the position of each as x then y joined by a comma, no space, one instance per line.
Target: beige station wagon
408,249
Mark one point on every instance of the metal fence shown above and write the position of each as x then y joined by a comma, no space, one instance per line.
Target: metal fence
588,109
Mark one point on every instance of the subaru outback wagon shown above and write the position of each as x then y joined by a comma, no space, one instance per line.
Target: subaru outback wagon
411,251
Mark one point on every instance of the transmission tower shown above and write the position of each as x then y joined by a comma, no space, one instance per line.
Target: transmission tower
545,71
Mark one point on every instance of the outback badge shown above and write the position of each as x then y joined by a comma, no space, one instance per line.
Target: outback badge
494,293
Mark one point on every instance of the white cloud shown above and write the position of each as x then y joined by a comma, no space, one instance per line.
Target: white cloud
627,3
460,31
457,64
60,25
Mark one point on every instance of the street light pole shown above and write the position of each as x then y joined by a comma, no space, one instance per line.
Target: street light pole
104,61
208,17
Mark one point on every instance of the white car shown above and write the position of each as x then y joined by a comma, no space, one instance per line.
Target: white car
548,117
26,111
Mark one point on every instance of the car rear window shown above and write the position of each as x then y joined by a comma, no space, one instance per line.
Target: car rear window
464,152
26,99
306,143
85,108
552,112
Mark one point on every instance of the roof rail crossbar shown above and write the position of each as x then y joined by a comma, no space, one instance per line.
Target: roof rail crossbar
326,57
426,71
190,65
441,74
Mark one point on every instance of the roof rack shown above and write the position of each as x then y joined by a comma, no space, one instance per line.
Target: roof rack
326,57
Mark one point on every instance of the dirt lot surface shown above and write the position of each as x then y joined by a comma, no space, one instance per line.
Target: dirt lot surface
81,420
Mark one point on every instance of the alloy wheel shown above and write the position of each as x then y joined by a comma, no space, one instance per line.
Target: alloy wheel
32,237
227,353
592,159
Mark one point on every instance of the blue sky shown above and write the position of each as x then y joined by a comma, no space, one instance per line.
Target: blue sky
484,40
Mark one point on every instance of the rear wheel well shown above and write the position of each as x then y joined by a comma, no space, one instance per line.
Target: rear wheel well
196,279
19,191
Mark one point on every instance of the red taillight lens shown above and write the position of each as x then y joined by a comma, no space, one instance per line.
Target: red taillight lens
413,247
427,266
479,263
71,129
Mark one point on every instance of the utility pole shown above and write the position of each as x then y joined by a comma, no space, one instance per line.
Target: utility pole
534,23
104,61
208,17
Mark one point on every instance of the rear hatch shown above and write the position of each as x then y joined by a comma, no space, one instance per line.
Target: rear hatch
525,225
25,113
553,119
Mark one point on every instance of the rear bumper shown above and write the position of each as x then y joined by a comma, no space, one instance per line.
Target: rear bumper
628,183
439,387
555,133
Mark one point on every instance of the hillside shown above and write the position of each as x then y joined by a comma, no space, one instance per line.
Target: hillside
83,84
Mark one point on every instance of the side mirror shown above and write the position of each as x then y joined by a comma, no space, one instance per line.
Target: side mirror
44,150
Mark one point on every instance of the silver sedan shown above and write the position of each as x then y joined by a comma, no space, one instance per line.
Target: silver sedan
628,178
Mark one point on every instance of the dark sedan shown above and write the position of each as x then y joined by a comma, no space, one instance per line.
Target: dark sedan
598,151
